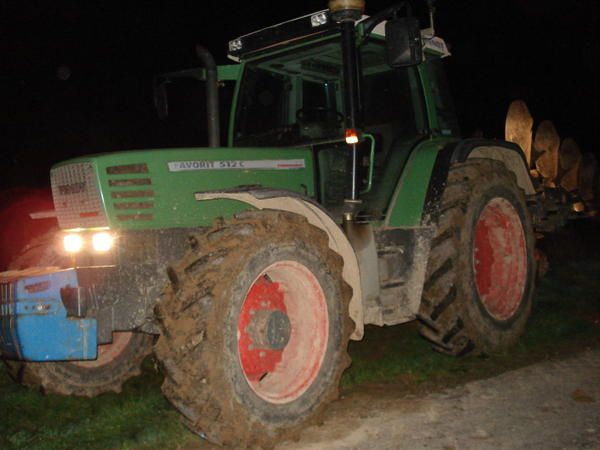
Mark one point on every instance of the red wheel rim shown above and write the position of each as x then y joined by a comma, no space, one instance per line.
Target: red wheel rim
284,289
500,259
108,352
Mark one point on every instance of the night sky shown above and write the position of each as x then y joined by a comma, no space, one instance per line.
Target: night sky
76,76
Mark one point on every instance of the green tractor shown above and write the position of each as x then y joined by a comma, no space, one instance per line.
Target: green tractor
344,197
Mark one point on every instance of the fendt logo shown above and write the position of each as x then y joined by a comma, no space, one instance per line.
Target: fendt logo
68,189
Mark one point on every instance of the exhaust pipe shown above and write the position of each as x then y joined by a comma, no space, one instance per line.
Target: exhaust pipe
212,96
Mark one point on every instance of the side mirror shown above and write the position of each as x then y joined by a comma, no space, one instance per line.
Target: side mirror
161,99
403,42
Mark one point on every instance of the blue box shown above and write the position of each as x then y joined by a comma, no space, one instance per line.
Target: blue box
33,320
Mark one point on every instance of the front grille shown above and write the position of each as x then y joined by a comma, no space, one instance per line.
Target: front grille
7,335
132,197
6,299
77,197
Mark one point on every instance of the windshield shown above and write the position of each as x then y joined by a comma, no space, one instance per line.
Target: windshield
291,99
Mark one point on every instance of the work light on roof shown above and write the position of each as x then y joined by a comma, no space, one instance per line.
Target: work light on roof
318,19
235,45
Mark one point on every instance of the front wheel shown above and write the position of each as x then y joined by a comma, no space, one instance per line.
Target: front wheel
117,362
481,272
255,329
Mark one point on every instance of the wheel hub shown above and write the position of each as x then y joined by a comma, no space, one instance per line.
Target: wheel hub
282,332
270,329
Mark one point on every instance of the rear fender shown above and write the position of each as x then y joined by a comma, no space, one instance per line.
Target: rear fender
317,216
457,152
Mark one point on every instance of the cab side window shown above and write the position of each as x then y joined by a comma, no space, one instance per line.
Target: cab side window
444,105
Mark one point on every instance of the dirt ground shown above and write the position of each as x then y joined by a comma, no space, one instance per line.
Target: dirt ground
549,405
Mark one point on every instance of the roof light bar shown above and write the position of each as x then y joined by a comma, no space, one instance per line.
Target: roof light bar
308,26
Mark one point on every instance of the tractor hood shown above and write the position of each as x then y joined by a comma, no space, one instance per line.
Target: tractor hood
155,188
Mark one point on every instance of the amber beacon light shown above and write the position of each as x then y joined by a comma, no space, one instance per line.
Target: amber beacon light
346,9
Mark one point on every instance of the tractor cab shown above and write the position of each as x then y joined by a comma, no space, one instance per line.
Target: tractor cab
295,98
361,114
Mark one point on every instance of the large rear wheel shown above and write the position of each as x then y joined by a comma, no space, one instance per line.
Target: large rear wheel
254,329
481,272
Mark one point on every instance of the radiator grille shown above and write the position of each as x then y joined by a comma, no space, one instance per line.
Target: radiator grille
6,299
77,197
7,319
131,197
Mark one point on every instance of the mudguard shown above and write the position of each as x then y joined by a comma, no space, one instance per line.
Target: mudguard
456,152
317,216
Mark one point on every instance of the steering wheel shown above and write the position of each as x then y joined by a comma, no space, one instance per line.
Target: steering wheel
319,114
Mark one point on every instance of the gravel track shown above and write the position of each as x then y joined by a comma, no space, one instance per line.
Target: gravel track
550,405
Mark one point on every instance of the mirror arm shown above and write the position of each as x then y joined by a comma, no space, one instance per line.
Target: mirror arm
431,10
385,14
158,85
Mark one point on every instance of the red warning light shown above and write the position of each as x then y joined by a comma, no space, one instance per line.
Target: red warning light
351,136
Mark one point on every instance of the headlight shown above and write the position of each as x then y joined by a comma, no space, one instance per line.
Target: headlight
102,241
73,243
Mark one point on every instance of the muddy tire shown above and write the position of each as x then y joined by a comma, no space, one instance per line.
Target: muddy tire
116,363
255,329
481,273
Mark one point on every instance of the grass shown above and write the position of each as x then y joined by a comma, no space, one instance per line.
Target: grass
140,418
565,319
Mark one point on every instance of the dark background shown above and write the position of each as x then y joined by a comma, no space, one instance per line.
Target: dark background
76,77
